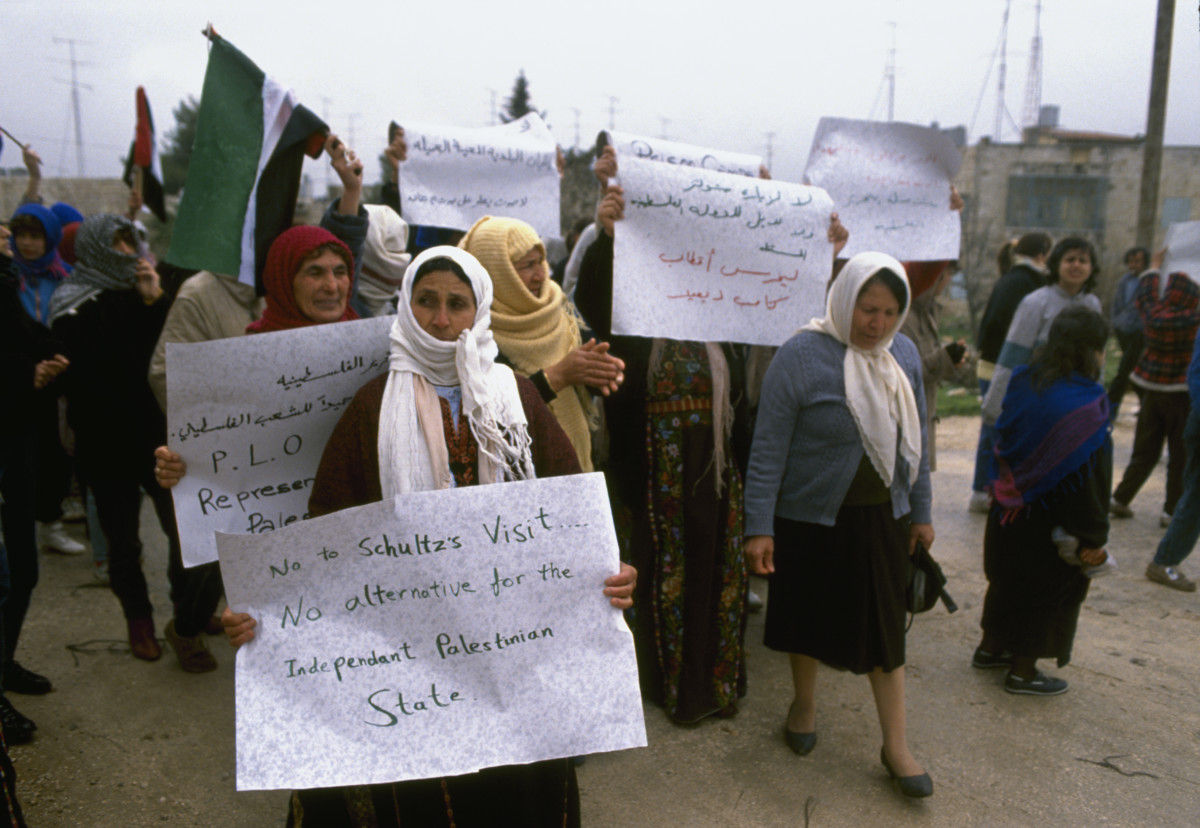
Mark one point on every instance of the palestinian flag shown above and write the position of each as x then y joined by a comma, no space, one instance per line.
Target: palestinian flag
244,173
143,157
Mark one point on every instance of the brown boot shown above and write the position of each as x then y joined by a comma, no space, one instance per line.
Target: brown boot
142,642
191,651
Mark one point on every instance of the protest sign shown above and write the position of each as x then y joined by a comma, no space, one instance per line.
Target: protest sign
712,256
890,184
679,154
455,176
251,415
1183,251
432,635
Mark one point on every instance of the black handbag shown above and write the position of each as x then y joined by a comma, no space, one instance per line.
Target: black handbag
926,583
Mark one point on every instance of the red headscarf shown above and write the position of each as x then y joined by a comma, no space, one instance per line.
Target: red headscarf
284,258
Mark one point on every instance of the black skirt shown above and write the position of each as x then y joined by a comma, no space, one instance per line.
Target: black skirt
837,593
1033,597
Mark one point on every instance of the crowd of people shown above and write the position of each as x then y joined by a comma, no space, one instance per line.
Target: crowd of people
809,464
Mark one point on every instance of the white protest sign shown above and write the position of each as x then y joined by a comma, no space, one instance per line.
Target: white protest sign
679,154
251,415
432,635
718,257
891,185
455,176
1182,241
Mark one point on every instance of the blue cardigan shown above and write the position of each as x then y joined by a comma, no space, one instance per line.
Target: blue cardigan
806,447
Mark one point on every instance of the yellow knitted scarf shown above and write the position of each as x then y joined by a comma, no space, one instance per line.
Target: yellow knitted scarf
532,332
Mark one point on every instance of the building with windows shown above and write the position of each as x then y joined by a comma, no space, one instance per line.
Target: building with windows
1065,182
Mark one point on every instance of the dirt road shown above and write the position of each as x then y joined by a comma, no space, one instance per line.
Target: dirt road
124,743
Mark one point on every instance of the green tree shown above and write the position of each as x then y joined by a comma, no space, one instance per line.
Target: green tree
519,103
178,147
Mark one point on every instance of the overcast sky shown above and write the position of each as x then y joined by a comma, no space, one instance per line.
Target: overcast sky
722,74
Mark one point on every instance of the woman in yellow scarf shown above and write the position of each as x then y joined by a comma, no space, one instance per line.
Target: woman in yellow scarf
538,330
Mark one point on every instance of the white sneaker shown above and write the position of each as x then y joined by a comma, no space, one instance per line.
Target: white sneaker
53,537
1101,569
980,503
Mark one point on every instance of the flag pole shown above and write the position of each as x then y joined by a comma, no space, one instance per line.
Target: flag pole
15,139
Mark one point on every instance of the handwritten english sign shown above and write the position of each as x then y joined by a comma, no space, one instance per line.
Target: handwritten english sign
718,257
891,184
455,176
251,415
432,635
1183,251
679,154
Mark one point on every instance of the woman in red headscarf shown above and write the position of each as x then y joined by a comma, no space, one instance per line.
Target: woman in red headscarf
308,279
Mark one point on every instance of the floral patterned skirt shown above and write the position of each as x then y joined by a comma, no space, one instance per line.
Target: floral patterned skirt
690,612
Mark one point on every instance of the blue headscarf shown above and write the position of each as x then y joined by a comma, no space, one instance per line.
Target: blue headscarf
66,213
38,278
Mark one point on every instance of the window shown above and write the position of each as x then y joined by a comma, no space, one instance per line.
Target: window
1069,202
1175,210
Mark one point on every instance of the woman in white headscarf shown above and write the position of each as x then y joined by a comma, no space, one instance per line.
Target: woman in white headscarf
837,497
446,414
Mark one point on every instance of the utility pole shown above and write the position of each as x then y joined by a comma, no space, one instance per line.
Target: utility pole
891,74
577,112
493,110
75,85
612,111
770,149
1156,117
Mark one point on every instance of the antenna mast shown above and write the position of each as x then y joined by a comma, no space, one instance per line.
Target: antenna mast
1033,83
998,133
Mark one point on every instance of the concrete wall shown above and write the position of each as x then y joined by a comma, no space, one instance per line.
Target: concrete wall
88,195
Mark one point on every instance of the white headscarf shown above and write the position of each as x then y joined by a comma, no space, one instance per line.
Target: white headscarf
384,259
412,450
878,393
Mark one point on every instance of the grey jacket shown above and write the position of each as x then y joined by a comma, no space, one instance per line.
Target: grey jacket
806,447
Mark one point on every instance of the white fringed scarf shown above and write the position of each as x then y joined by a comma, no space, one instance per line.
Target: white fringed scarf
878,393
412,444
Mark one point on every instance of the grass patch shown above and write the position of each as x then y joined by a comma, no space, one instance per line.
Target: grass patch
956,400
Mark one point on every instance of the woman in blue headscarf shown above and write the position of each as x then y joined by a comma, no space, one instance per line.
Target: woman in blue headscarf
36,232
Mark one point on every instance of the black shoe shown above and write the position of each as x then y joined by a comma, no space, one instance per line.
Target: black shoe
18,730
19,680
1040,685
914,787
801,744
983,660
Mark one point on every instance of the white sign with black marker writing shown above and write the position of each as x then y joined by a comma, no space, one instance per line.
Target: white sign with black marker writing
432,635
251,415
890,183
718,257
678,153
455,176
